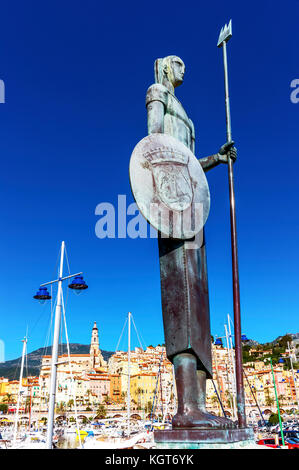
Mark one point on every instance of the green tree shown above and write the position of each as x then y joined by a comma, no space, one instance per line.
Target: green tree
281,399
283,342
8,398
268,399
70,404
274,419
3,407
214,399
61,406
101,412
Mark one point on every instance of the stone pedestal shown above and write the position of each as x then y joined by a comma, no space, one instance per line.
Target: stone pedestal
205,439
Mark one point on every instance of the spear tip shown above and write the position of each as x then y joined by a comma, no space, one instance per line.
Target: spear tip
225,33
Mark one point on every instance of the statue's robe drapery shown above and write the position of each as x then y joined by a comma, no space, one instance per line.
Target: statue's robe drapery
183,271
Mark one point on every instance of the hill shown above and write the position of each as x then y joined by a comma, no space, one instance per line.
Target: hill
11,369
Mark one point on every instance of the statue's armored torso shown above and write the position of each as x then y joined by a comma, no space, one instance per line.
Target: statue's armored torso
176,121
185,301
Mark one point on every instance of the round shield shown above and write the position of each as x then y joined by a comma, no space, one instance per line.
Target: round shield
169,186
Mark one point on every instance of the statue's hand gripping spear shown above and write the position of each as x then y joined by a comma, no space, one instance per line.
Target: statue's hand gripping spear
225,35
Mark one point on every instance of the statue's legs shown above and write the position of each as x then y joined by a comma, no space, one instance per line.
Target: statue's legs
191,391
186,318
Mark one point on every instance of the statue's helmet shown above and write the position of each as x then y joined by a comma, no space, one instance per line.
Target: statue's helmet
164,69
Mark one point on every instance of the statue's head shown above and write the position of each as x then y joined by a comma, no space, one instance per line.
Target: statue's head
169,70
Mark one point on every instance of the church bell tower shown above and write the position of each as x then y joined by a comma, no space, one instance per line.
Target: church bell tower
96,358
94,345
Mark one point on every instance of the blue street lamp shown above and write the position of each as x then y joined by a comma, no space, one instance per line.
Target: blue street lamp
42,295
78,284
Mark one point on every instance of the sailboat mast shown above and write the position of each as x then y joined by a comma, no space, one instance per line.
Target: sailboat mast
55,355
234,384
129,371
230,375
20,387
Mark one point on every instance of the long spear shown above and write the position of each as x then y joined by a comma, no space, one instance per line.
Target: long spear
225,35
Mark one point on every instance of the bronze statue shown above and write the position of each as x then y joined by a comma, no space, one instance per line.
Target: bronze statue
184,283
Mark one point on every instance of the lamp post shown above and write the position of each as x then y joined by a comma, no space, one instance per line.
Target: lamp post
42,295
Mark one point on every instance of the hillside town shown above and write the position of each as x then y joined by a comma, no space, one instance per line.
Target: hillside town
90,385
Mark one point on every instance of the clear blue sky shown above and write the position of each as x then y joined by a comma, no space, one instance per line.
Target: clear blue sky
76,74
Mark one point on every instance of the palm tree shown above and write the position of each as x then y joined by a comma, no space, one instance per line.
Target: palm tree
214,399
61,406
70,403
281,399
8,398
268,400
101,412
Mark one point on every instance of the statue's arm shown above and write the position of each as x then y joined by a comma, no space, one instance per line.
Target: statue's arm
225,152
210,162
156,102
155,117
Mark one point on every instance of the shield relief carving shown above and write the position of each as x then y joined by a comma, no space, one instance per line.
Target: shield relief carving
169,186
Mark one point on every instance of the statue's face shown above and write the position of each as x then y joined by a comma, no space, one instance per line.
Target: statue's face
178,71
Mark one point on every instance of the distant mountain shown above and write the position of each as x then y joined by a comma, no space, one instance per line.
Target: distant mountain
11,369
294,336
252,343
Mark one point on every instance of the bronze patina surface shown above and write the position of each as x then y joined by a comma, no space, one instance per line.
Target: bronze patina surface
183,271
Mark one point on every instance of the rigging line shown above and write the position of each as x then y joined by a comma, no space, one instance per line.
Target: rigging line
143,341
46,343
219,399
57,261
121,334
38,319
71,371
18,366
137,333
254,397
67,260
